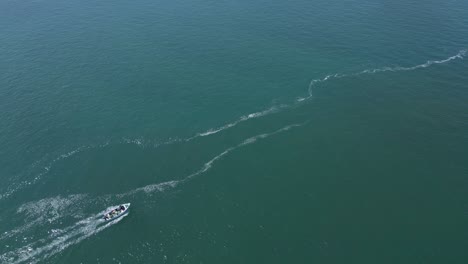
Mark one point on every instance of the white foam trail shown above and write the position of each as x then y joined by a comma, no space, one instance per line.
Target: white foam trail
244,118
141,143
248,141
208,165
461,55
59,240
152,187
43,211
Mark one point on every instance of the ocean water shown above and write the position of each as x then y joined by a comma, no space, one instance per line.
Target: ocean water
240,131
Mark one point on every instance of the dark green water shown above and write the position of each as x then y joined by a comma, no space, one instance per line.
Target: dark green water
240,131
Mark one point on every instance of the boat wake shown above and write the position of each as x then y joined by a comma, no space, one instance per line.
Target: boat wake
57,239
460,55
45,211
212,131
208,165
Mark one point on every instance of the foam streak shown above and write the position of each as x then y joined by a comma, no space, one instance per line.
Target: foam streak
208,165
461,55
244,118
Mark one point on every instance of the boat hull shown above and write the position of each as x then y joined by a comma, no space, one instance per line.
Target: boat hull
120,214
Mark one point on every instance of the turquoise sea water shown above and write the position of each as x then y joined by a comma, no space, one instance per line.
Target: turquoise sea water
240,131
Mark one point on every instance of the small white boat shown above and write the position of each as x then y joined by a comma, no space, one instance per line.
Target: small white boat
116,212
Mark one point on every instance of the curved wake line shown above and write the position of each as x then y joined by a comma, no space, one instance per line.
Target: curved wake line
275,109
461,55
208,165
